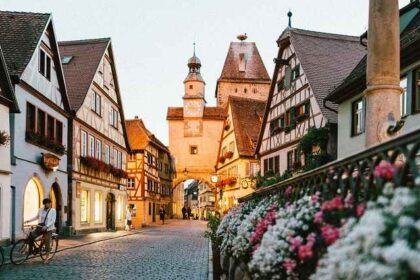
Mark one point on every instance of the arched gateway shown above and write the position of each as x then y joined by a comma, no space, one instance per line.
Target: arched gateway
194,132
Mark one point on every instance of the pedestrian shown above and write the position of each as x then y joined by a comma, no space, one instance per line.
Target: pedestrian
128,219
162,214
189,213
184,213
46,217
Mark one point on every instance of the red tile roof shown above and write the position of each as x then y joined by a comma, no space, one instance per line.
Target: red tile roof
140,137
255,69
247,115
210,113
80,71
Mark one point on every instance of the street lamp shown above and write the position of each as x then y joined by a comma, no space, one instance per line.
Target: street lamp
214,178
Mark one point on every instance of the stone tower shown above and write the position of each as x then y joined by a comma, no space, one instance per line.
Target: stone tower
194,100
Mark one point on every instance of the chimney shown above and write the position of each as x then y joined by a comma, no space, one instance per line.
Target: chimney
383,70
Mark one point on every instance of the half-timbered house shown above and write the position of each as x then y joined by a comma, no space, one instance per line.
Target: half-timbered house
8,105
150,172
351,99
308,65
98,137
39,132
236,165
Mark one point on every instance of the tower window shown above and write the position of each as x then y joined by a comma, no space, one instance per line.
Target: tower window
245,90
236,90
254,90
193,150
191,86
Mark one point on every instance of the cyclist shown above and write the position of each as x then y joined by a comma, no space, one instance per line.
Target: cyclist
46,225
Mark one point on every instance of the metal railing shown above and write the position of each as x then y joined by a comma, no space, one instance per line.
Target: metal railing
354,174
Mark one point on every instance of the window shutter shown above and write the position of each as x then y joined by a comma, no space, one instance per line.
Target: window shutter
287,77
307,107
293,116
282,122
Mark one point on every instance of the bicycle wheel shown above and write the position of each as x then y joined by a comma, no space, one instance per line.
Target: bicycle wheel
20,252
54,248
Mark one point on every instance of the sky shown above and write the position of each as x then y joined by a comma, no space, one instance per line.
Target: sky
153,39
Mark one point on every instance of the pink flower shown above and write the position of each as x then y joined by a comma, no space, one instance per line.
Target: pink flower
330,234
318,217
289,190
360,209
385,170
315,198
305,252
333,204
289,265
294,243
311,238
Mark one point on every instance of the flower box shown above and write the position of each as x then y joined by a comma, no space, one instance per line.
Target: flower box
222,159
228,154
100,166
45,142
230,181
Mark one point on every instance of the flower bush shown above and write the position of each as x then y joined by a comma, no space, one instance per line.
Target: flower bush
100,166
4,138
384,244
228,154
45,142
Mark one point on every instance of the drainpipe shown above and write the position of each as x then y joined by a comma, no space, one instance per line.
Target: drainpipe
13,213
70,174
383,70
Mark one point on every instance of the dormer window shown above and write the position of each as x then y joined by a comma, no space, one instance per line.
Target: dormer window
242,62
191,87
44,64
66,59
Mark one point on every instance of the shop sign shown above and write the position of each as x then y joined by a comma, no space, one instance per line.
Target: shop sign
50,162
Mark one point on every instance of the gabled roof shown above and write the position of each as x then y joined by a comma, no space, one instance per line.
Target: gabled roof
247,115
355,82
210,113
140,137
326,59
20,35
80,71
7,94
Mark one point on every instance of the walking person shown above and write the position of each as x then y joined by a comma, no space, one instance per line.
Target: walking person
184,213
189,213
162,214
128,219
46,225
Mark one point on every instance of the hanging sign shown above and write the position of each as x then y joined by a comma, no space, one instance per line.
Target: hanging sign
50,162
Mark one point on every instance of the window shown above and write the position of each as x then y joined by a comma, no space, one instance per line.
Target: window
290,160
120,207
30,117
131,183
272,165
245,90
232,146
191,87
236,90
150,208
58,132
44,64
98,150
417,91
66,59
254,90
107,154
83,144
277,125
253,169
96,103
280,85
50,127
193,150
98,207
41,122
357,117
403,97
115,160
84,206
91,146
113,118
296,72
119,160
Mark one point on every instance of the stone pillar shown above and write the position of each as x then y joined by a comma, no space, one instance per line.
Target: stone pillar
383,70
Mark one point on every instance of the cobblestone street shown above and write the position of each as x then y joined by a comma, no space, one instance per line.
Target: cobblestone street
177,250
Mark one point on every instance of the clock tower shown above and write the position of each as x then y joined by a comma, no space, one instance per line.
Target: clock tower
194,84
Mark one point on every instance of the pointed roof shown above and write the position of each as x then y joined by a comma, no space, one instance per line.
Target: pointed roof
20,35
247,115
326,59
7,94
81,69
140,137
255,69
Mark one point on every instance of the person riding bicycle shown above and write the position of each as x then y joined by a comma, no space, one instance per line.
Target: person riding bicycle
46,225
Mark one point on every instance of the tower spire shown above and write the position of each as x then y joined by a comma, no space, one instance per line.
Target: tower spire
290,14
194,47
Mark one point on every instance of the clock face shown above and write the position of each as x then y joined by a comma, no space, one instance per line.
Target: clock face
192,108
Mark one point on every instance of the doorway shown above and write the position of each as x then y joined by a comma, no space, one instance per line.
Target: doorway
56,199
110,211
154,213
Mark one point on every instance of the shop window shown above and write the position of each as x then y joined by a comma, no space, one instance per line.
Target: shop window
84,206
98,207
120,208
357,117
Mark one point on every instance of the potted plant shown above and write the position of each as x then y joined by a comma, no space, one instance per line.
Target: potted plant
4,138
228,154
222,159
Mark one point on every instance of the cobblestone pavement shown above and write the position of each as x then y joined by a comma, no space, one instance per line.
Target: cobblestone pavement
177,250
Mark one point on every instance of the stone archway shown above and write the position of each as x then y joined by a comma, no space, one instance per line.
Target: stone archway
57,204
32,200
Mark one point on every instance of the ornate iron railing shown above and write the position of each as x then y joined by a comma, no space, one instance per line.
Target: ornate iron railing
355,174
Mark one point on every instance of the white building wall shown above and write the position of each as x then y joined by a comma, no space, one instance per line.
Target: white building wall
5,179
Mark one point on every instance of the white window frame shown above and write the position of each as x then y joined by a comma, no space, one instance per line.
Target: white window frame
98,151
91,148
107,154
83,144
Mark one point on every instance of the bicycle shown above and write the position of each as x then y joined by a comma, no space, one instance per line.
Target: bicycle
21,250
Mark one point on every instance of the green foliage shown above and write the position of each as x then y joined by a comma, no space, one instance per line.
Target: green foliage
212,225
45,142
313,161
314,137
269,179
